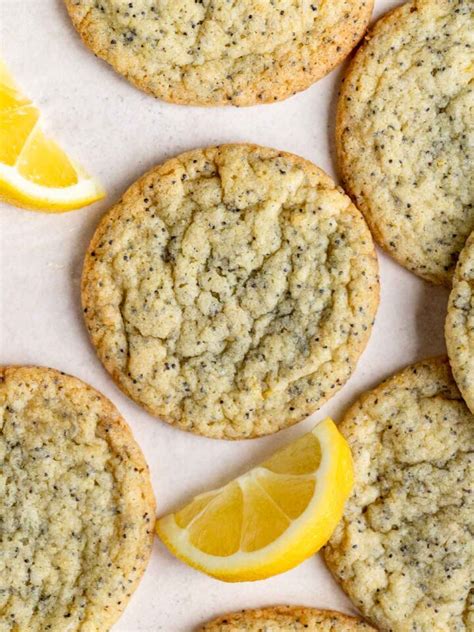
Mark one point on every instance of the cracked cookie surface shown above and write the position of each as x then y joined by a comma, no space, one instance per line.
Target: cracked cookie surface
215,52
285,619
405,133
76,505
403,551
231,291
460,324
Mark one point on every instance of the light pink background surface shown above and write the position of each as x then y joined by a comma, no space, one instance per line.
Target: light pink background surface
117,133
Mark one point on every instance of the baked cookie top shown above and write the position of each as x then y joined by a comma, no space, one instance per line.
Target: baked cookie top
215,52
286,618
404,133
460,324
76,505
403,550
231,290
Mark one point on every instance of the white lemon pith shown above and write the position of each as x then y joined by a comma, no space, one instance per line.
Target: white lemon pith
35,172
271,518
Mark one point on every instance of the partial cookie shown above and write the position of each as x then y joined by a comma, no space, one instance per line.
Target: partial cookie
403,551
286,618
404,133
460,324
219,52
231,290
76,505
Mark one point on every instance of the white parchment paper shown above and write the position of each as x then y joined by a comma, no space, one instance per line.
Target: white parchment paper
117,133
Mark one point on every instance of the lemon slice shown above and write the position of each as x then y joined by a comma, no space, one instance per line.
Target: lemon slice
271,518
35,172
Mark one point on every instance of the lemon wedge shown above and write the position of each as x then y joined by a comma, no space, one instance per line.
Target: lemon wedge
269,519
35,172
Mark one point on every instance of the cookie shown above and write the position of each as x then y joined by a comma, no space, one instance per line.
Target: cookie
404,134
286,618
231,291
76,505
460,324
215,52
403,551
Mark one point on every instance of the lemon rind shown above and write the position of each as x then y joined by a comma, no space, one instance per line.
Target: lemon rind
18,190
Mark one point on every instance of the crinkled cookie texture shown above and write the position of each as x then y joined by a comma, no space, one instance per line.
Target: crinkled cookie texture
405,128
404,550
216,52
460,324
76,505
286,619
231,290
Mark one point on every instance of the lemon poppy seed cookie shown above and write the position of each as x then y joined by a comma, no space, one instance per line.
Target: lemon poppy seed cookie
460,324
403,551
405,133
216,52
286,618
76,505
231,290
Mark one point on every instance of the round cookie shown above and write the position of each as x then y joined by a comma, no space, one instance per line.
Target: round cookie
286,618
403,550
76,505
460,324
404,120
219,52
231,290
